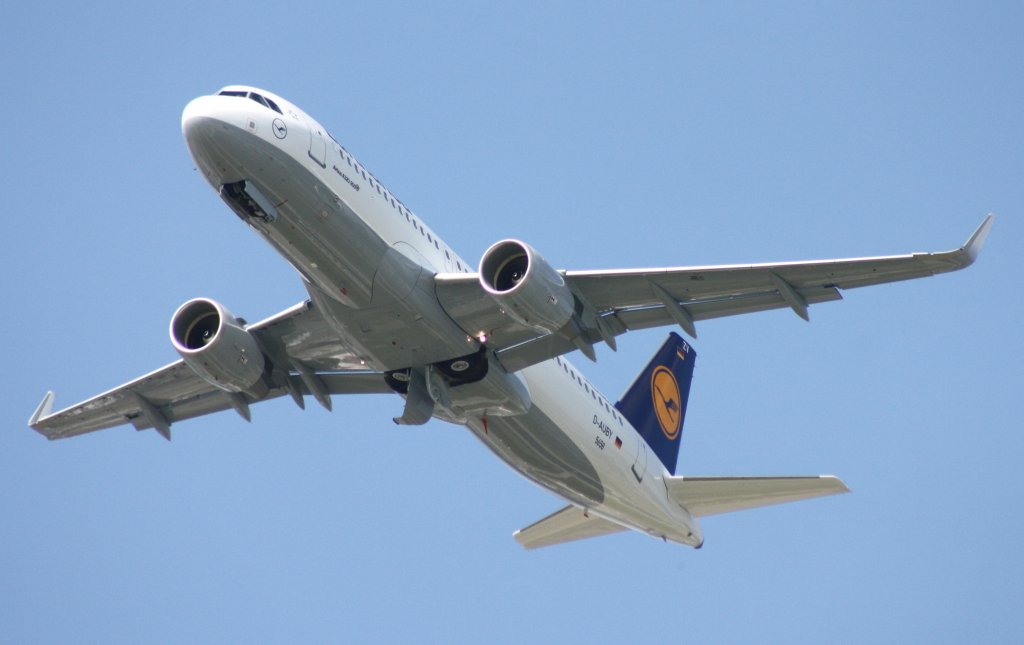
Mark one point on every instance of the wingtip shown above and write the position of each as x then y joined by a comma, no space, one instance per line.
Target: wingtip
838,484
972,247
43,410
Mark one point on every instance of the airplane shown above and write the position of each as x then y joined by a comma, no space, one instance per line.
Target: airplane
393,309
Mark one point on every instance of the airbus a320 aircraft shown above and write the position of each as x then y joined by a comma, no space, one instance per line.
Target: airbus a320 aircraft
392,308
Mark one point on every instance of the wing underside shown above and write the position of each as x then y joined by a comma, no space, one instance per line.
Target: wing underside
309,357
644,298
311,360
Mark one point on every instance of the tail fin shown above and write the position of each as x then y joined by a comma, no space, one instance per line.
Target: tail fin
656,402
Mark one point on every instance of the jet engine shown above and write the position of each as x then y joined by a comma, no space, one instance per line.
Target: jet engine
217,347
525,286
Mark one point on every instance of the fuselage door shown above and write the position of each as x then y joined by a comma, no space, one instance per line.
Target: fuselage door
640,465
317,145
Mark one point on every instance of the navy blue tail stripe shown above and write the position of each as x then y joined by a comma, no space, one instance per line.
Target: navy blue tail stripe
656,402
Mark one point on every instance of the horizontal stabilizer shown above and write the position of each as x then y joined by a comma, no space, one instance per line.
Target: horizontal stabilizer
703,496
569,524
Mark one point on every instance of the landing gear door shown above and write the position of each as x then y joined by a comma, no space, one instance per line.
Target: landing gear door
640,465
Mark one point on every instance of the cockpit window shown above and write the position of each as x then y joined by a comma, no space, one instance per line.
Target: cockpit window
273,106
259,98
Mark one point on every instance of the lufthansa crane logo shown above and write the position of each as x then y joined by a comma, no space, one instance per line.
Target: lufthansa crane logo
665,397
280,129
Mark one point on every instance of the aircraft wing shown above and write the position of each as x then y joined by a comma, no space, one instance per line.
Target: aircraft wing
307,359
622,300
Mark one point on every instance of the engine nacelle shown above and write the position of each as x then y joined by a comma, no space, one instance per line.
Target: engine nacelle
217,347
525,286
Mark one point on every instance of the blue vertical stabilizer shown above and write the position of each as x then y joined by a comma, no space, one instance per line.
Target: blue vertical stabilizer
656,402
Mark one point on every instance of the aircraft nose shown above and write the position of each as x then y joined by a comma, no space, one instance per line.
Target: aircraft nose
210,125
200,116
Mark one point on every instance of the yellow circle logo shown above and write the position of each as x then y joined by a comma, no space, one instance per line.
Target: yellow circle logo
665,397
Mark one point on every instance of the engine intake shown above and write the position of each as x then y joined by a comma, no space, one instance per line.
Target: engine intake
525,286
217,347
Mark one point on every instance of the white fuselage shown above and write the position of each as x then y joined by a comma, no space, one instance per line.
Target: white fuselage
344,232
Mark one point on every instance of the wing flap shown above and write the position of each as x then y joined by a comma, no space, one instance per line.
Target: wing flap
703,496
622,320
657,316
567,525
175,394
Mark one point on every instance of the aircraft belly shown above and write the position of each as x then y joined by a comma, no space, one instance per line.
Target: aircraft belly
312,228
410,332
534,445
381,299
321,236
378,297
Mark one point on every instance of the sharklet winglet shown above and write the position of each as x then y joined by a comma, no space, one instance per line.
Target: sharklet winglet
43,410
972,247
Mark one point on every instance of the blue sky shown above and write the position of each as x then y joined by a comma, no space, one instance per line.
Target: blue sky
607,135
